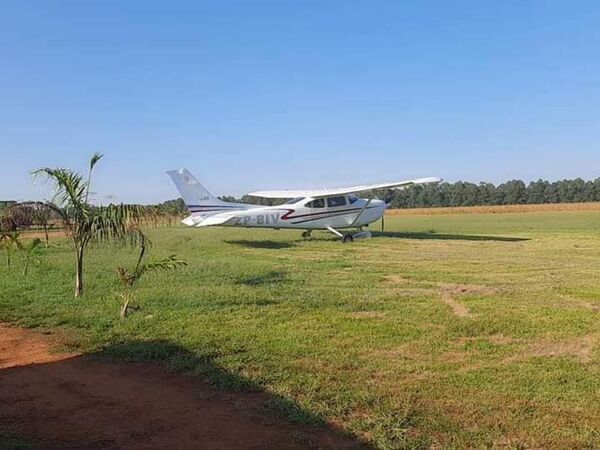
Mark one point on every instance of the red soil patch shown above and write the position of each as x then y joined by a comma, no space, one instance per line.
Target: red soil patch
63,400
21,347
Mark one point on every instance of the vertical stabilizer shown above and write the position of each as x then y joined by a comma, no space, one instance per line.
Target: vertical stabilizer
193,193
199,201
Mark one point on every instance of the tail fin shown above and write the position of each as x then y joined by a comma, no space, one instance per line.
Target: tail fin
193,193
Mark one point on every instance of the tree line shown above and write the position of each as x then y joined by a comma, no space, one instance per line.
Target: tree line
514,192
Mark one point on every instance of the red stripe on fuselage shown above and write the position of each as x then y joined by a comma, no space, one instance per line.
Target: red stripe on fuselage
286,216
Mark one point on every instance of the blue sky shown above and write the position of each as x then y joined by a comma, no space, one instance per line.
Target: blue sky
290,94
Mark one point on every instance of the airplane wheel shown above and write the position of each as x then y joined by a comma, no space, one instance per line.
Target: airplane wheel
347,239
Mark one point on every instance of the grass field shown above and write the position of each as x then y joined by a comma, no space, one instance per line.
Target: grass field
464,330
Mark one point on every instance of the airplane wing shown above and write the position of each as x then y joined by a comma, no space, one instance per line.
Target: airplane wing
293,193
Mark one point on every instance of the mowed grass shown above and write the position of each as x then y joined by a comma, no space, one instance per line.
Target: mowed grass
472,330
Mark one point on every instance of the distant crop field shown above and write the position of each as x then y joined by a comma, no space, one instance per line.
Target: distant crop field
465,330
554,207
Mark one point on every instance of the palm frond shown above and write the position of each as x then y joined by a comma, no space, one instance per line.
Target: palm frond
169,263
69,189
113,223
94,160
130,278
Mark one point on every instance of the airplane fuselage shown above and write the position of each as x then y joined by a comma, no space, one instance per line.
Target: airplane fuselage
339,212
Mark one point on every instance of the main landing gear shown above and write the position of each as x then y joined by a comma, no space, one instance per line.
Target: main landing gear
349,237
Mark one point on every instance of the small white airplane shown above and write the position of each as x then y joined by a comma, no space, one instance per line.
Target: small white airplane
309,209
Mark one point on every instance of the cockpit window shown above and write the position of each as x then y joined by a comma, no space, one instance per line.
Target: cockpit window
352,199
318,203
333,202
293,201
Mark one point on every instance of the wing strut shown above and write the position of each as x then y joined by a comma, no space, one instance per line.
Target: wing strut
336,232
360,212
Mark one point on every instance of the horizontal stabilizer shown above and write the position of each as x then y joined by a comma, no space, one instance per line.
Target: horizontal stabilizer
215,220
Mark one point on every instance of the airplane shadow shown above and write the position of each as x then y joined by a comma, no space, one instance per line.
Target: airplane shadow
124,396
276,245
444,236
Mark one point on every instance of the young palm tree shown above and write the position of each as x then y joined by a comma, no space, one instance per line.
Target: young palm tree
129,279
28,252
84,223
